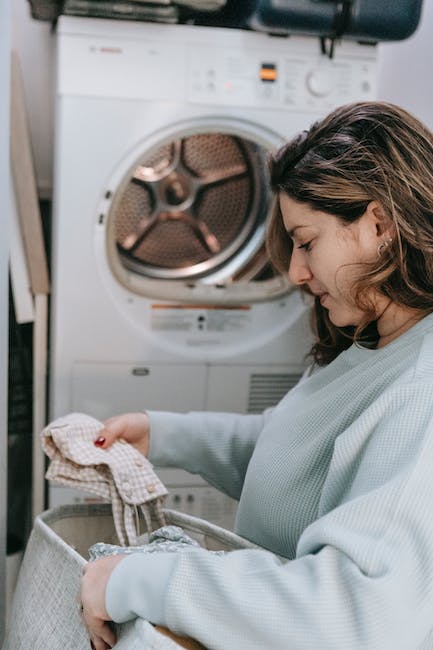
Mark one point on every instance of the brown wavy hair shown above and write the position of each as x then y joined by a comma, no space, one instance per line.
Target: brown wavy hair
362,152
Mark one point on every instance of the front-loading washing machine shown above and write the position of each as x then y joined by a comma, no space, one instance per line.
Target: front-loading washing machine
163,294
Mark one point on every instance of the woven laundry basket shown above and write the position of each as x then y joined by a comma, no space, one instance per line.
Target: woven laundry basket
44,613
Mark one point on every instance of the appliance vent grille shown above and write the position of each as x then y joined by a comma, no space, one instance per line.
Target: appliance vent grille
268,389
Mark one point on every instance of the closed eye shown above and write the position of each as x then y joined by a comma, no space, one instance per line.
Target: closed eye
306,246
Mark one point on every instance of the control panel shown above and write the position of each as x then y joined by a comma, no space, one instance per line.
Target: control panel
281,81
211,67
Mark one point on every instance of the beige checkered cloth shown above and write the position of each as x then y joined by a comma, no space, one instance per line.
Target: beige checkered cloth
119,474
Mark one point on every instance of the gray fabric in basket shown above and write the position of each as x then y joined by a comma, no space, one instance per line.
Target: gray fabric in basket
45,613
168,539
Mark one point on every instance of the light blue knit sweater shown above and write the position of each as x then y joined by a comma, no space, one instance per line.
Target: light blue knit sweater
338,478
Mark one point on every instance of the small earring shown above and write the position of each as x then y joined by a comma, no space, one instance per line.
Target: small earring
383,246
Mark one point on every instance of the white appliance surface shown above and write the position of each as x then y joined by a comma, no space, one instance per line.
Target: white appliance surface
122,89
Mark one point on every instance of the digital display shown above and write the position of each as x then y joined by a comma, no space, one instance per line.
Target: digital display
268,72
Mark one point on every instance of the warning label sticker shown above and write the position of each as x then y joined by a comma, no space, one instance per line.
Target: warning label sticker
206,318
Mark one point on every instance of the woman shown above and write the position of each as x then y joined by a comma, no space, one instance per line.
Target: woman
336,481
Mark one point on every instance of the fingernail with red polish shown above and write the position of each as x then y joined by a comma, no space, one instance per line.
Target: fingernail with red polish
99,441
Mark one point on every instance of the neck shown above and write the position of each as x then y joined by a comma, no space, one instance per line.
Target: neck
394,321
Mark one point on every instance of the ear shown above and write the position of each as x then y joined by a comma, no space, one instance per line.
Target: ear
381,224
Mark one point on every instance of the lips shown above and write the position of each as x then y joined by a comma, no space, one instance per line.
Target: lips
321,295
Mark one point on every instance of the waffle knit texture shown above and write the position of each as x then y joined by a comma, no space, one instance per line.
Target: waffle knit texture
336,482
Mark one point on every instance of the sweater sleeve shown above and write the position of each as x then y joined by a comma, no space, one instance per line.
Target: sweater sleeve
218,446
363,573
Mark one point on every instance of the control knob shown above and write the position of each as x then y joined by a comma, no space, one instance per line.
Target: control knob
319,82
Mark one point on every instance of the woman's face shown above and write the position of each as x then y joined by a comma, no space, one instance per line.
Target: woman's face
327,255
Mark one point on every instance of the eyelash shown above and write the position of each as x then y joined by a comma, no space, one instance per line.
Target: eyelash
306,246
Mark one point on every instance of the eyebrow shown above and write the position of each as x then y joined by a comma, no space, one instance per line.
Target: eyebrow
293,230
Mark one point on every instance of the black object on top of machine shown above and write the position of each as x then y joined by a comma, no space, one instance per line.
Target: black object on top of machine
361,20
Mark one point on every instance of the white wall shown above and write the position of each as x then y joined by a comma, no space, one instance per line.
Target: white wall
404,78
405,69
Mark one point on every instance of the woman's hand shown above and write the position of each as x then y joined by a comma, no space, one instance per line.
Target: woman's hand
92,596
132,427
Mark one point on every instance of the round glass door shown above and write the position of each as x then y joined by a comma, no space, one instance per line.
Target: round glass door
191,206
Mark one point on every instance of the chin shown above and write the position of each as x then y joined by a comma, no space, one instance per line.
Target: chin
340,323
343,320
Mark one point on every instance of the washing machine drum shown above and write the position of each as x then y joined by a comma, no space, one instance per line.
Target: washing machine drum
193,207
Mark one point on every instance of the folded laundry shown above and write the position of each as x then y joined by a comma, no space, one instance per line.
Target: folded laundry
119,474
166,11
129,9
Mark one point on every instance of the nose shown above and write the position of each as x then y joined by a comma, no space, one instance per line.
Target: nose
299,272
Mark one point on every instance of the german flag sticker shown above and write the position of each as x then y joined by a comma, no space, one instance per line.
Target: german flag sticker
268,72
